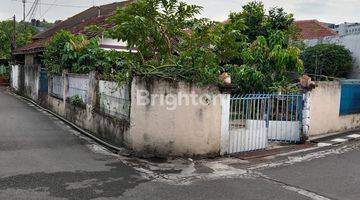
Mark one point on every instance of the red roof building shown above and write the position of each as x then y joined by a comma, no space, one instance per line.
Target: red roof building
313,29
75,24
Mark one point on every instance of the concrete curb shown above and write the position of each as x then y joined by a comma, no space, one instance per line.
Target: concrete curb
339,140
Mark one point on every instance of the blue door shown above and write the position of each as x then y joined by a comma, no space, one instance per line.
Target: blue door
43,80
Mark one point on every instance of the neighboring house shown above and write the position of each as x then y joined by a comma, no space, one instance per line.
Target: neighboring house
30,55
313,32
77,25
347,28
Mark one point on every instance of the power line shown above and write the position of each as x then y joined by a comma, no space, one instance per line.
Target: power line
32,9
48,9
33,13
59,5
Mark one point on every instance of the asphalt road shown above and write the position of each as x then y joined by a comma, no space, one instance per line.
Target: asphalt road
42,158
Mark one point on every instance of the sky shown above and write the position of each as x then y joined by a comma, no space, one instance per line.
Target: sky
332,11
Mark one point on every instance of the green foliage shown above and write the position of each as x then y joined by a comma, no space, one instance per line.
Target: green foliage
268,65
327,60
257,51
78,54
230,39
153,26
56,55
278,19
253,46
24,32
76,101
253,15
4,71
171,43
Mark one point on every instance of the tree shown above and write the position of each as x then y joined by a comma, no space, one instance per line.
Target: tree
256,49
278,19
327,60
154,27
231,39
259,22
253,15
24,33
170,42
269,65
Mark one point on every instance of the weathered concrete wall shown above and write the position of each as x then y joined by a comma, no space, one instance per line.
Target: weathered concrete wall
194,123
114,100
31,78
325,110
78,85
189,129
109,128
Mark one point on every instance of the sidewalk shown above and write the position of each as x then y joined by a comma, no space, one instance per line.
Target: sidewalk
337,138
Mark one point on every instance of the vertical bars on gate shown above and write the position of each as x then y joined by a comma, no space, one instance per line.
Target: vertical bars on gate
257,118
285,117
248,122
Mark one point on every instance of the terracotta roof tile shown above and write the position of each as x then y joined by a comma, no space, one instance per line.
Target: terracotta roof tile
75,24
313,29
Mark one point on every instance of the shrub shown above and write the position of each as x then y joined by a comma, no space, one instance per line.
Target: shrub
327,60
4,71
78,54
76,100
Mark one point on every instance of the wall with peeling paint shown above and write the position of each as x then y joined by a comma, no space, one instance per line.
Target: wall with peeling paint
31,76
188,129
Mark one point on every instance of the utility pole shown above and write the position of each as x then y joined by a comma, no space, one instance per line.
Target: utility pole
13,46
24,3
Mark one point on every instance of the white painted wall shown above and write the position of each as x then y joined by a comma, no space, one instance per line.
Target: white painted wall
112,44
352,42
325,110
187,130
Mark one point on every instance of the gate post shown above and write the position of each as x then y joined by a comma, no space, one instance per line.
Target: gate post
225,119
305,116
65,87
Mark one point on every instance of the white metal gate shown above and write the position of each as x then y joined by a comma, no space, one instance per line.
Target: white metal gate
257,118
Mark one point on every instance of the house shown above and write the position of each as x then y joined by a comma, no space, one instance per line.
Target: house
312,31
29,56
347,28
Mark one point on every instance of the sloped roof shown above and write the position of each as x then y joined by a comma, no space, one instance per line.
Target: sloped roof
313,29
75,24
